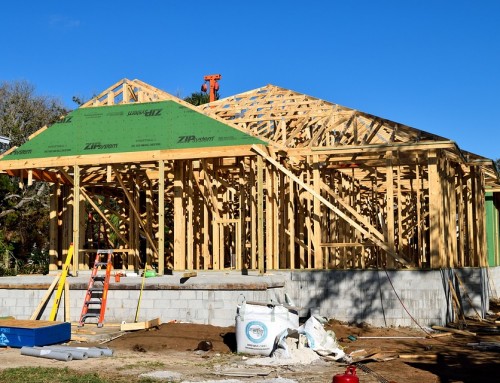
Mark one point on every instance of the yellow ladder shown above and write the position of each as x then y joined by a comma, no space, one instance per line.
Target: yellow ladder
62,280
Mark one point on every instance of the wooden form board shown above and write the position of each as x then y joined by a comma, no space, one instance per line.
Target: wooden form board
337,188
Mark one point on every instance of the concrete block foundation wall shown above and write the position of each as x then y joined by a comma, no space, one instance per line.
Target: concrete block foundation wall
353,296
377,297
214,307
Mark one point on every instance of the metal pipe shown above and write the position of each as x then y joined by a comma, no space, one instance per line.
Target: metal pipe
76,354
103,350
47,354
91,352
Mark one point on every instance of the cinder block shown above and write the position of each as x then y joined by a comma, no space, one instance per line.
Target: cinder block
187,294
196,304
179,304
202,295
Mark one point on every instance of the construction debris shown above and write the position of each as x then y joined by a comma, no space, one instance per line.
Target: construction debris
455,331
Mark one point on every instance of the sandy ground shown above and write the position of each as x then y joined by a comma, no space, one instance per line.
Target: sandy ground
171,353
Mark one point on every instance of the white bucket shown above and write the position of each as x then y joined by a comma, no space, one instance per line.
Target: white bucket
258,325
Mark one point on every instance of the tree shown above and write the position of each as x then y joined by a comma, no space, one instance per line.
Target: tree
24,209
22,112
198,98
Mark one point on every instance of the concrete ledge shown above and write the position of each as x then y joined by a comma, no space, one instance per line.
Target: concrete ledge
204,281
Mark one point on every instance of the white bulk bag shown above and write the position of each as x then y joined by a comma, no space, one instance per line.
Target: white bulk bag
258,325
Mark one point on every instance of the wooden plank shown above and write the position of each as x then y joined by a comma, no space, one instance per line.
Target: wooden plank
440,335
189,274
454,331
140,325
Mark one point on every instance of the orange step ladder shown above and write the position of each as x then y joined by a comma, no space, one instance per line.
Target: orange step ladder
94,305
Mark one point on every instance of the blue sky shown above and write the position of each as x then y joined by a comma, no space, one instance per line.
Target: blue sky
433,65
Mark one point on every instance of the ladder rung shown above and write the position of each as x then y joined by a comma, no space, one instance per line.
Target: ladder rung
93,302
100,264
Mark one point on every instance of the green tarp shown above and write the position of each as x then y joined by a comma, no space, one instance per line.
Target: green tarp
130,128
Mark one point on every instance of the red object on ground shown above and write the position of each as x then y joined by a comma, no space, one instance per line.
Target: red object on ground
348,377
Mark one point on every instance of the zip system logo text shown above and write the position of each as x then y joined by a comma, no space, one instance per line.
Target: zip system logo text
192,139
99,146
146,113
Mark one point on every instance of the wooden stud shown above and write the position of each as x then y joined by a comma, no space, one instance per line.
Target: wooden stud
161,218
390,209
260,215
76,219
318,250
55,192
434,210
179,217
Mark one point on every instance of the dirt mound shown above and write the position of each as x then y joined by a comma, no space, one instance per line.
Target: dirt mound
178,337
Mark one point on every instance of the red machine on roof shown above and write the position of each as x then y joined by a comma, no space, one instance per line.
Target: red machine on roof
214,85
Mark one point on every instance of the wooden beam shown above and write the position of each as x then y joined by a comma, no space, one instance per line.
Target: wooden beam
391,228
318,250
434,210
179,217
55,191
76,218
190,217
260,215
134,209
127,157
161,217
96,208
261,151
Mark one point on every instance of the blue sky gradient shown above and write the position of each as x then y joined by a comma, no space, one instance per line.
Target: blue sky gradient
433,65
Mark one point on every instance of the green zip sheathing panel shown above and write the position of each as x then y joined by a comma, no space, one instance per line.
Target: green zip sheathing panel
492,206
130,128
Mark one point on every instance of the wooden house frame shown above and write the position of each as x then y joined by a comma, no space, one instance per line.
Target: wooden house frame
325,187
